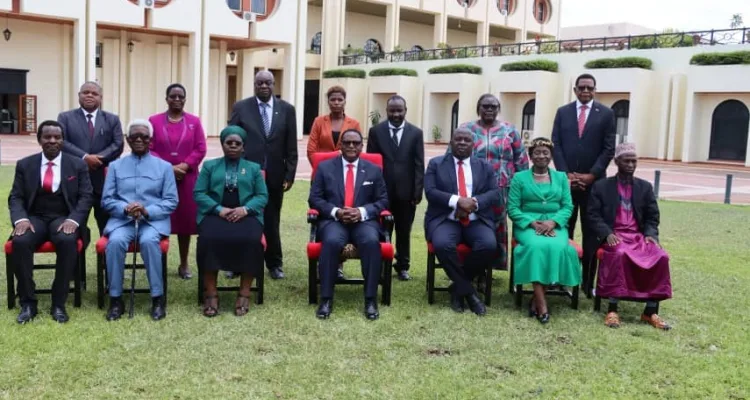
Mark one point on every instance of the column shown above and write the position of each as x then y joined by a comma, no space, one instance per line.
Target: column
88,45
392,18
65,50
79,60
298,90
193,67
483,33
221,115
334,13
204,54
440,33
122,79
246,73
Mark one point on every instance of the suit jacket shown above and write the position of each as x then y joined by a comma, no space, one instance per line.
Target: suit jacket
74,184
327,190
604,201
321,135
148,180
107,141
590,153
441,182
403,166
209,189
277,153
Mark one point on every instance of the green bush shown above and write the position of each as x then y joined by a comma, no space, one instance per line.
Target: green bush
532,65
456,69
622,62
729,58
345,73
662,41
393,72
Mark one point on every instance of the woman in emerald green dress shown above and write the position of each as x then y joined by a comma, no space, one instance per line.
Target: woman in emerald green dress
539,204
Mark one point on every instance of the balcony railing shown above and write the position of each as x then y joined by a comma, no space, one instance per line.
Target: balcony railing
655,41
314,49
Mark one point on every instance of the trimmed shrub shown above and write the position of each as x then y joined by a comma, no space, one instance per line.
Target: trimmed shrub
456,69
622,62
393,72
532,65
728,58
345,73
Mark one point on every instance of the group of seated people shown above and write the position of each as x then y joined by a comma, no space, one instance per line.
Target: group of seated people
52,195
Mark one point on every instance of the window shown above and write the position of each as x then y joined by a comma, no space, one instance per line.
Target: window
529,110
466,3
417,48
316,42
508,6
235,5
541,11
372,47
99,47
622,112
258,7
454,117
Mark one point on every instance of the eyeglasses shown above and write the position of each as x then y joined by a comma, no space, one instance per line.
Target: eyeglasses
353,143
585,88
138,136
490,106
233,143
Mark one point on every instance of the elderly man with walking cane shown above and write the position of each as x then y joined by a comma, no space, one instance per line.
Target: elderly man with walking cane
139,194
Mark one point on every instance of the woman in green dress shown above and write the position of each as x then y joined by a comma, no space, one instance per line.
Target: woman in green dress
539,204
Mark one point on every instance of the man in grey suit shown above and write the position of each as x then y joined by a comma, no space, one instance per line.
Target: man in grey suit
95,136
271,126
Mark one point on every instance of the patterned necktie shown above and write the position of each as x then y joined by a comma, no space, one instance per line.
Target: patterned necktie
394,131
49,176
462,189
582,120
266,120
349,187
91,125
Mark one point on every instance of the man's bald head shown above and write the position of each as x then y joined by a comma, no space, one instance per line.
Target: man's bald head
264,83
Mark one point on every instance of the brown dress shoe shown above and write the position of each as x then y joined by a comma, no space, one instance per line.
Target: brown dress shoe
612,320
656,321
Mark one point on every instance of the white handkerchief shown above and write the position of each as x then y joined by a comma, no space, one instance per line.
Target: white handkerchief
365,183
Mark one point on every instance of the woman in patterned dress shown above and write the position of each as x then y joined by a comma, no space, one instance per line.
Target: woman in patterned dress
500,144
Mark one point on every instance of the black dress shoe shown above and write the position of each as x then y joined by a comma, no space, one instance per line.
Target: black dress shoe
371,310
340,273
403,275
59,314
324,309
158,309
276,273
476,305
28,312
116,308
543,318
457,303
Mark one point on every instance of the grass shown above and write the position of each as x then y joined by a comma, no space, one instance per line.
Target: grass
415,351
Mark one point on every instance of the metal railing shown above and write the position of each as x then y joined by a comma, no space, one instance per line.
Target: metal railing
314,49
655,41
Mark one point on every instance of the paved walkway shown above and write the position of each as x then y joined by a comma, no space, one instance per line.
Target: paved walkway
688,182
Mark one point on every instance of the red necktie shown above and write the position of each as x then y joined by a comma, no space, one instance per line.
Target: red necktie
49,176
91,125
582,120
462,189
349,187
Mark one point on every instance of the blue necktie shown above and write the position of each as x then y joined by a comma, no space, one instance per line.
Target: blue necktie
266,120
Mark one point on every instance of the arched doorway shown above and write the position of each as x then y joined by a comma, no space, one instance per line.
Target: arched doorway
729,126
621,108
529,110
454,118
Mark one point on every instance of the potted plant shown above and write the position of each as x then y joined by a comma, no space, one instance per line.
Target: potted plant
437,133
374,117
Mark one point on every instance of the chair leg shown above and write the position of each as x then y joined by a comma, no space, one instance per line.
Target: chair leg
431,278
100,280
164,275
387,282
574,297
83,270
312,281
519,295
77,282
488,288
597,303
9,271
510,273
260,281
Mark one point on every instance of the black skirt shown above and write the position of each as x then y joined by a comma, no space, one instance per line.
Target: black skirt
230,246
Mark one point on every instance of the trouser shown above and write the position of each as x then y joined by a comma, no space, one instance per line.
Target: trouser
589,243
403,218
271,222
366,237
479,237
148,240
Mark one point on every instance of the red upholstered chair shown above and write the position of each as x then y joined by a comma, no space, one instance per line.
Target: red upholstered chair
433,264
102,283
349,252
597,298
560,291
46,247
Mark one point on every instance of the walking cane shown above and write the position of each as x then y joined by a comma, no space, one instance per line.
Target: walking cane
132,278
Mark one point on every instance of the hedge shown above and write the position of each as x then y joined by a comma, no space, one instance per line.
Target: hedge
393,72
345,73
456,69
622,62
533,65
728,58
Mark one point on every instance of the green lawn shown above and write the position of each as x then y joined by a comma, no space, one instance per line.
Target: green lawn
415,351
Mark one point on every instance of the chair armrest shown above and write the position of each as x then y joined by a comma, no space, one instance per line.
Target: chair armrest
312,219
386,219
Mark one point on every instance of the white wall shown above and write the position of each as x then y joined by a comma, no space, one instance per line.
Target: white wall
314,23
458,38
360,27
604,30
704,106
412,33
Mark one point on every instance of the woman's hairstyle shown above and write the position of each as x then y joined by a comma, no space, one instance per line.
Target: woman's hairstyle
336,89
140,122
176,85
233,130
485,96
540,142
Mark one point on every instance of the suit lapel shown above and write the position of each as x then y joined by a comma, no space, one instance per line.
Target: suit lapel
359,179
98,126
65,172
81,118
475,177
591,120
389,138
449,168
275,116
256,117
339,178
34,179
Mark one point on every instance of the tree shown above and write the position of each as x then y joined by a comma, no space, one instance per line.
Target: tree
737,21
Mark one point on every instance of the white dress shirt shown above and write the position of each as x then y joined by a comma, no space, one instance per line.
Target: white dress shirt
468,178
93,116
588,109
399,131
362,211
56,175
268,110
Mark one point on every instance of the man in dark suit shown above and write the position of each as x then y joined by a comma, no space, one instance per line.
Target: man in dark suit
349,194
95,136
584,138
460,191
51,197
402,147
271,126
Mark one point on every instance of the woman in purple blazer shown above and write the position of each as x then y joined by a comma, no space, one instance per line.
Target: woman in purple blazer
179,139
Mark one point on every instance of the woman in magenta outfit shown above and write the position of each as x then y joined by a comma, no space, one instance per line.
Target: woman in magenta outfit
179,139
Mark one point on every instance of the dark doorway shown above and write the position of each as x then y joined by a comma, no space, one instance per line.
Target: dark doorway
621,108
312,103
729,126
529,110
454,118
12,86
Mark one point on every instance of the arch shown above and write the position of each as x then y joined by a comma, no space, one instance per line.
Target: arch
509,6
454,117
157,3
470,3
542,11
316,43
529,111
373,47
729,127
417,48
621,108
263,8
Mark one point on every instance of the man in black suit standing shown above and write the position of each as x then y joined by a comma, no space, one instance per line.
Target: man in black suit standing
460,191
271,126
584,138
51,197
95,136
402,147
349,193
